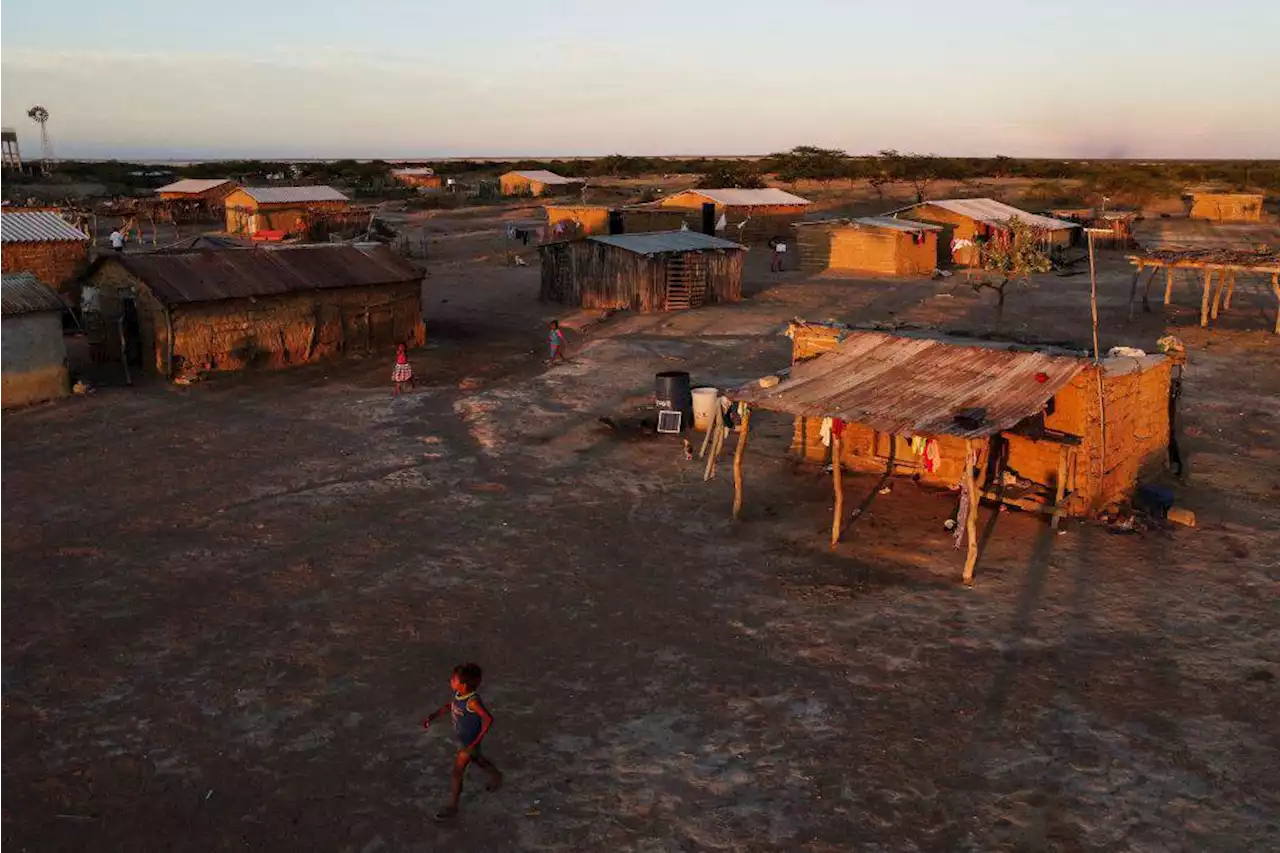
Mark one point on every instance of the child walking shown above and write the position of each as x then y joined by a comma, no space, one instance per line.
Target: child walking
555,341
402,373
471,722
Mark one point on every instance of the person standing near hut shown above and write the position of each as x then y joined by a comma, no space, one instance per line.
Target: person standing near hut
779,246
402,372
555,343
117,240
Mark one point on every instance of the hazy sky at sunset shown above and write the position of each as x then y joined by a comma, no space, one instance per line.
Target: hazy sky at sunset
394,78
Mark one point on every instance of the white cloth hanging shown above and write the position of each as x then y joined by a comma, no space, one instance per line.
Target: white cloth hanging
825,432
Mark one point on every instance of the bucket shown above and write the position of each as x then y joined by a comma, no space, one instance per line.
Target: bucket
706,405
671,393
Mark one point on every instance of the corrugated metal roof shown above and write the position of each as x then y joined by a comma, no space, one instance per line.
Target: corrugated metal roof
908,225
542,176
287,195
418,170
992,212
659,242
23,293
178,278
195,186
38,227
749,198
901,384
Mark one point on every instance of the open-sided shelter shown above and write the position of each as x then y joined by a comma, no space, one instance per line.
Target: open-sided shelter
1226,207
662,271
287,210
967,222
586,220
1041,429
44,244
33,366
537,182
879,245
269,306
749,215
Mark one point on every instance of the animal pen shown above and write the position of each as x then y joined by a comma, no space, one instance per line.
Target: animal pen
1040,429
664,271
869,244
179,312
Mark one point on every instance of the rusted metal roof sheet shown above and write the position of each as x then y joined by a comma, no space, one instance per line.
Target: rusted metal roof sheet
902,385
991,212
23,293
42,226
292,195
194,186
178,278
660,242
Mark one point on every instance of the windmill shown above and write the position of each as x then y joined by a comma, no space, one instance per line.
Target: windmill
40,116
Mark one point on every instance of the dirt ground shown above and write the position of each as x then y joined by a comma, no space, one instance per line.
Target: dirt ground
228,606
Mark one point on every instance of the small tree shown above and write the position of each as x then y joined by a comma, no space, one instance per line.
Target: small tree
739,176
1013,255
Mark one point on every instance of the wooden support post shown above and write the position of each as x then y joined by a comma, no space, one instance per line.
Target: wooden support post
1231,288
971,523
1063,454
1275,288
1146,291
838,516
1204,298
1168,284
1217,294
1133,288
737,461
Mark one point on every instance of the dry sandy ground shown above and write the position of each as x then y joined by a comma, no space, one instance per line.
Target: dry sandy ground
227,607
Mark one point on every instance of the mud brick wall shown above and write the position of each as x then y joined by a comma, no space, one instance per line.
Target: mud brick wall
56,263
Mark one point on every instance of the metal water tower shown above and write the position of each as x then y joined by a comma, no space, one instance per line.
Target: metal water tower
12,157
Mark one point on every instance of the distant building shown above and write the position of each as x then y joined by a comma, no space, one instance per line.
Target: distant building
967,222
749,215
1226,207
421,178
284,209
878,245
538,182
664,271
565,221
45,244
210,191
33,355
266,306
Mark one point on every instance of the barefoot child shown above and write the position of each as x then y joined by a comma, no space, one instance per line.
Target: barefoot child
471,722
555,340
402,373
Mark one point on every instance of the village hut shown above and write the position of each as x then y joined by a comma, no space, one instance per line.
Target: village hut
876,245
44,244
281,210
33,354
587,220
537,182
1226,207
968,222
421,178
664,271
750,216
1038,428
269,306
211,191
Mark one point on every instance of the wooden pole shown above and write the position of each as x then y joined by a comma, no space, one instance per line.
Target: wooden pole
1061,487
1275,288
1217,295
1204,298
838,515
1146,292
1168,285
971,523
737,461
1093,296
1133,286
1231,288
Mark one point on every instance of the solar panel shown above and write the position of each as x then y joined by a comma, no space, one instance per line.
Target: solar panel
668,421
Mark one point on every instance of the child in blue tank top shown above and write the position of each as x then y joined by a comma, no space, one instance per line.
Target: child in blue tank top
471,722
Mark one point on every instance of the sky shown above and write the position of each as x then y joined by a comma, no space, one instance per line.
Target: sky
402,79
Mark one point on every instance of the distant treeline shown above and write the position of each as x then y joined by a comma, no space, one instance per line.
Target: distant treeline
888,172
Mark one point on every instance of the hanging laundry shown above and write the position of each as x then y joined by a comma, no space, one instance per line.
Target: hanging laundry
962,517
918,443
722,223
932,455
825,432
837,427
